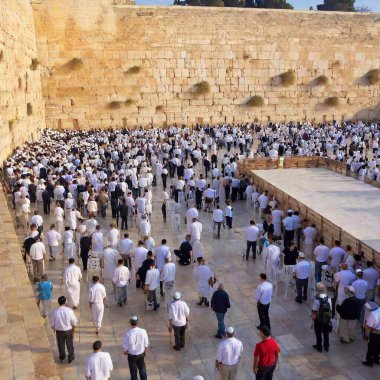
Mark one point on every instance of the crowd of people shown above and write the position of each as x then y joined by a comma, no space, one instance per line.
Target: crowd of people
73,178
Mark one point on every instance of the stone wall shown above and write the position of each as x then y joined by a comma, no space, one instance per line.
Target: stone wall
107,65
22,110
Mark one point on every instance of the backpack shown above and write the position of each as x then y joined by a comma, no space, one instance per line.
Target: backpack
324,313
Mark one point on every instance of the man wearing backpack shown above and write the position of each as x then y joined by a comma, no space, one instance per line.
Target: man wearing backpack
321,313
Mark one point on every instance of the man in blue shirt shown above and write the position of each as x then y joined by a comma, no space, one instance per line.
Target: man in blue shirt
44,290
220,302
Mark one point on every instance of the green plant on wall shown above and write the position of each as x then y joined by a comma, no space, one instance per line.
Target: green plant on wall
133,70
114,105
74,64
34,64
322,80
254,101
332,101
201,88
373,76
288,78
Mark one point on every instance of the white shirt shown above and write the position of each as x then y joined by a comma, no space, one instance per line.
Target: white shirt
277,216
178,313
121,276
310,233
59,213
140,256
168,272
136,341
162,252
374,319
53,237
229,351
97,293
302,269
288,223
196,230
63,319
152,278
91,225
336,255
125,246
264,292
37,220
72,274
321,253
98,366
252,233
228,211
217,215
113,236
360,287
263,200
345,278
37,251
371,276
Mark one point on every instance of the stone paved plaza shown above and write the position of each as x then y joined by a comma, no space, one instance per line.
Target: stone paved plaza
291,322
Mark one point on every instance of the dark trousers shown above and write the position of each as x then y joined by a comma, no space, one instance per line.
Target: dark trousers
263,311
373,351
164,177
217,225
179,336
288,237
227,191
322,331
152,297
265,373
103,210
127,260
46,208
229,221
84,256
137,362
249,245
234,194
65,337
301,286
124,222
318,270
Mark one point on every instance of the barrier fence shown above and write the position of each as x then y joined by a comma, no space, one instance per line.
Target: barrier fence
327,229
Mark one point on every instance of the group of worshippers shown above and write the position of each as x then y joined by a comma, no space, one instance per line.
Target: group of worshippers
117,168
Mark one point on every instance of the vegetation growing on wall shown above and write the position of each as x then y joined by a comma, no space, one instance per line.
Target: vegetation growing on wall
74,64
133,70
201,88
159,109
288,78
114,105
332,101
322,80
29,109
373,76
34,64
254,101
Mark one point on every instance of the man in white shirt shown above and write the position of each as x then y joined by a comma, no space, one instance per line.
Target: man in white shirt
301,273
91,224
320,256
371,275
168,277
209,197
191,214
228,356
139,255
289,227
271,256
217,218
360,287
263,297
53,238
228,213
309,233
113,236
145,226
71,279
251,234
178,316
63,322
97,295
277,216
152,281
336,255
125,247
263,203
343,279
136,341
161,253
38,221
98,364
120,281
372,326
59,215
37,254
196,230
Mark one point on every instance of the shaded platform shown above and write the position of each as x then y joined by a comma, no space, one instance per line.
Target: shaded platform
24,346
349,204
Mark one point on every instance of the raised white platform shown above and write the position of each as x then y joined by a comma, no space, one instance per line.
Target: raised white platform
348,203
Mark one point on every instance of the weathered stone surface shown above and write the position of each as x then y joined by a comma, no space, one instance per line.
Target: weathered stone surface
240,52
